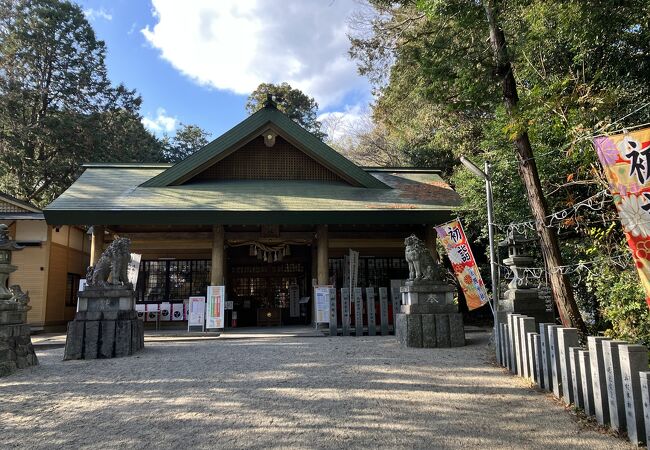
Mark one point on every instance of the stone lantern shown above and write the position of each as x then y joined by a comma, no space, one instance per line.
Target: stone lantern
522,296
16,350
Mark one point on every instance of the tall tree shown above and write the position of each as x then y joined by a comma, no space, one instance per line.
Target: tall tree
574,66
562,291
57,106
293,102
187,140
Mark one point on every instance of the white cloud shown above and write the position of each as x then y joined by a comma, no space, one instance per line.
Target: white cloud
235,45
346,123
93,14
162,123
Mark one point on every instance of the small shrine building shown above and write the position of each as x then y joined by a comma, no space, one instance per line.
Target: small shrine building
265,208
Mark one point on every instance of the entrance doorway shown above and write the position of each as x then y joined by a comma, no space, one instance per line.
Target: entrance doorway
269,293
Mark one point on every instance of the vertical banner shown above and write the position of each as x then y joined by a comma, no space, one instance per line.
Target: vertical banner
133,269
354,268
460,254
345,311
322,294
626,161
214,316
196,312
396,298
294,299
357,292
333,316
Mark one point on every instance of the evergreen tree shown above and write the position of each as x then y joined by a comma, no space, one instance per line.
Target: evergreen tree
293,102
57,106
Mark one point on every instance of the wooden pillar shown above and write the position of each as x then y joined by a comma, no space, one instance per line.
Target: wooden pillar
96,244
430,241
217,266
322,256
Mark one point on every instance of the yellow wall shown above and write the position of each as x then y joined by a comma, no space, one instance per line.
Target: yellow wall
32,265
31,230
43,270
63,260
31,276
61,236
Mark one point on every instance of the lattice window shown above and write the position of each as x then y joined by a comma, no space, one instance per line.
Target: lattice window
256,161
175,281
373,271
7,207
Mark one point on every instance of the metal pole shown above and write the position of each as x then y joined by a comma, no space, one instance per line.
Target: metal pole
493,261
490,213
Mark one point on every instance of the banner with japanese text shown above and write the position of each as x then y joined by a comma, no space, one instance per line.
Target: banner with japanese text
626,161
462,260
214,317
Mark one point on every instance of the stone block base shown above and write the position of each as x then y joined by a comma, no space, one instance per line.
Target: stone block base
16,350
105,337
430,330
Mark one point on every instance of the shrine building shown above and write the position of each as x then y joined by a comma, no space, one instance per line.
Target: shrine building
263,209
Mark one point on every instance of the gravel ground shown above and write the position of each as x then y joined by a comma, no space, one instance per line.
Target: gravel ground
298,392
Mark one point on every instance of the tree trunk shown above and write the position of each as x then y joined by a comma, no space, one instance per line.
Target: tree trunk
562,292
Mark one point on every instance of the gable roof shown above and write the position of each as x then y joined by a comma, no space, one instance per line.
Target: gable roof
113,195
269,116
18,204
13,209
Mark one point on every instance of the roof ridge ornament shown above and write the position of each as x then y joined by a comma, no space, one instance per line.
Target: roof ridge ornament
270,102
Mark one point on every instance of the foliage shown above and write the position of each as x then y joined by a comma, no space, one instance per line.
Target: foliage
57,106
187,140
293,102
579,67
623,312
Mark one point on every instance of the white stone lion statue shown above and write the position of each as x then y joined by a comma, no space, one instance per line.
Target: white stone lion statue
113,263
422,266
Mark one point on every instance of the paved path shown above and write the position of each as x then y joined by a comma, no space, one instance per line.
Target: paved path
298,392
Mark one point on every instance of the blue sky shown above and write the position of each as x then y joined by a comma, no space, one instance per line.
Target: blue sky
195,61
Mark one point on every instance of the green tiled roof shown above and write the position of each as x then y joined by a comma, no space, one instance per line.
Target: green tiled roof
250,127
111,195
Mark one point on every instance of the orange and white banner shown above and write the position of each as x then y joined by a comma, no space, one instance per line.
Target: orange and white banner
626,161
460,254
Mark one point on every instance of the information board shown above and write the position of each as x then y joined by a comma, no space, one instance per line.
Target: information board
322,295
214,317
196,313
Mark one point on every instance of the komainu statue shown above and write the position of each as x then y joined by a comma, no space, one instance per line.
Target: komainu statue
113,263
422,266
19,296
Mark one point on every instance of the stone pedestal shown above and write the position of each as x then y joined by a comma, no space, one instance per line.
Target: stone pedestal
16,350
525,302
106,324
428,317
